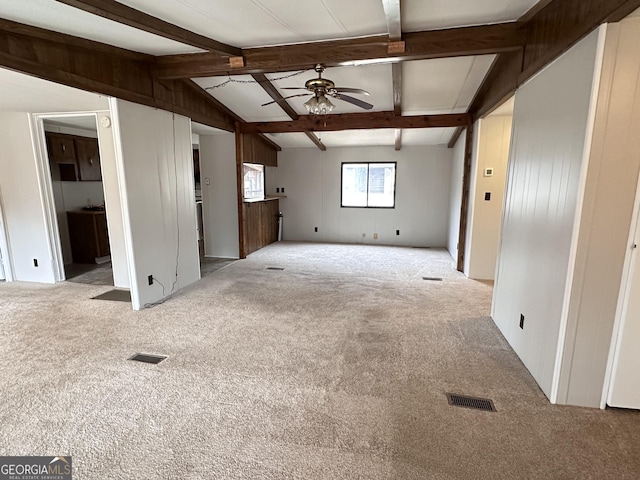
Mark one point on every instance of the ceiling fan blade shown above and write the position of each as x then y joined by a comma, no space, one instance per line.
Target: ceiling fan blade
351,90
354,101
285,98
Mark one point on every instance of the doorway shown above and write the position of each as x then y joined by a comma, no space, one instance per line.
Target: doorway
73,159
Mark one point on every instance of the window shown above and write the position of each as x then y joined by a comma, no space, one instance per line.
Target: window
369,185
253,175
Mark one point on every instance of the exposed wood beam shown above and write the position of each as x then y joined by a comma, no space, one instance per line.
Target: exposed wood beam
394,20
398,139
478,40
121,13
455,137
549,32
314,138
464,203
356,121
100,68
273,92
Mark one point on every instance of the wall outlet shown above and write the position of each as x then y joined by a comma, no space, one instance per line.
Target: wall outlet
522,321
35,262
277,189
315,229
397,232
282,189
150,279
375,236
487,196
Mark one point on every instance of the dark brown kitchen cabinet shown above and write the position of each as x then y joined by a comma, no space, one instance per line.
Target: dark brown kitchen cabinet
88,235
61,148
88,158
260,224
76,158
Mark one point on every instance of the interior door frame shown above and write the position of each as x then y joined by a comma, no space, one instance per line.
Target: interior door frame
45,183
623,301
5,251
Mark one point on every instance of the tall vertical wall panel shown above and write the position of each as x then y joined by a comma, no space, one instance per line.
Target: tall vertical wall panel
543,189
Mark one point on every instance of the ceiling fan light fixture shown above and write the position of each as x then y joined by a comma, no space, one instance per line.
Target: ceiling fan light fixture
319,105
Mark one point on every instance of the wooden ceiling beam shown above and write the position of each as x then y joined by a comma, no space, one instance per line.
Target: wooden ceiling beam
356,121
126,15
549,32
100,68
273,92
477,40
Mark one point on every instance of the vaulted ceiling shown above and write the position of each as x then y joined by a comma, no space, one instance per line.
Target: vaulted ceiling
439,63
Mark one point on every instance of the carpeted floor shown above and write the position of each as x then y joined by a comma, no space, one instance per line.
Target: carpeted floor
334,368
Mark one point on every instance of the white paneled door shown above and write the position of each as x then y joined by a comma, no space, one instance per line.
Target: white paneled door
625,385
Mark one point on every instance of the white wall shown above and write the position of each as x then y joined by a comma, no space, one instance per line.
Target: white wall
219,198
455,195
113,203
155,166
493,135
24,215
542,200
607,213
311,179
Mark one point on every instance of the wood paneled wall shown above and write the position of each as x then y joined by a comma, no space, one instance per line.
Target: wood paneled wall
257,221
261,224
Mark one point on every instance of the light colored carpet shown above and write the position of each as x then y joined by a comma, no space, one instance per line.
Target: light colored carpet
334,368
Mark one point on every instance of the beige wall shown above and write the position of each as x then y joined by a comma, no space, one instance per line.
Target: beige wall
606,218
494,135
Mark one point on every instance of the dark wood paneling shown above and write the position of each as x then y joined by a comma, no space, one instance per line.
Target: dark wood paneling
126,15
451,42
464,204
354,121
261,224
256,150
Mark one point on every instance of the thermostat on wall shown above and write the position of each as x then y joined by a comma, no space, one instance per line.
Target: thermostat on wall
488,172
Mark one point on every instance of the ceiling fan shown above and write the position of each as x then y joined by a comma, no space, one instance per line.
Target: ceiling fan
320,88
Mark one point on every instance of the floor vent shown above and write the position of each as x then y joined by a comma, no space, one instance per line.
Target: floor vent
471,402
432,279
147,358
275,268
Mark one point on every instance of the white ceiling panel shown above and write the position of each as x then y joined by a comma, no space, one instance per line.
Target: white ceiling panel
253,23
244,99
445,85
354,138
292,140
62,18
427,136
23,93
375,79
420,15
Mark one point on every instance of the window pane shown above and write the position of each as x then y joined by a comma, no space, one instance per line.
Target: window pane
253,180
354,184
382,184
